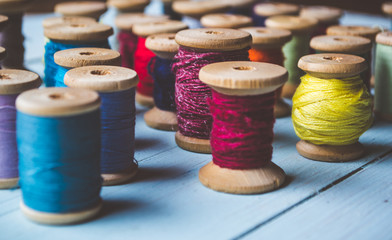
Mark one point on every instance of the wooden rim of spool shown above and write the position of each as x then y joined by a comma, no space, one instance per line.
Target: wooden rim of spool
224,20
323,14
57,102
221,39
3,22
387,8
341,44
329,153
14,6
272,9
48,22
384,38
60,218
101,78
250,181
243,78
240,3
126,21
362,31
193,144
129,6
81,8
14,81
112,179
291,23
332,65
3,53
163,45
199,8
267,38
8,183
161,119
144,100
89,32
79,57
167,26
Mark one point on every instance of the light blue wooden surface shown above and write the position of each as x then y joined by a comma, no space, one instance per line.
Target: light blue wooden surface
319,201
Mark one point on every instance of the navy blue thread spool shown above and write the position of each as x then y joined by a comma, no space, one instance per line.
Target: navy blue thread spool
80,57
163,115
72,35
262,11
224,20
59,173
12,83
116,87
92,9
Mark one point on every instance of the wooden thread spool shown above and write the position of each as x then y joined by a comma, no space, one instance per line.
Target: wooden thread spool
144,30
330,66
268,39
222,20
387,8
12,83
361,31
92,9
60,103
126,21
107,79
301,29
242,79
3,22
49,22
129,6
244,7
208,40
192,11
270,9
164,46
327,16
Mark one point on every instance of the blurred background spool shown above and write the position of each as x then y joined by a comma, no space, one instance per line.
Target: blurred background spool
224,20
93,9
241,138
169,11
387,8
332,107
326,16
269,9
242,7
163,115
301,29
383,76
59,174
267,47
3,22
116,88
3,54
126,6
49,22
12,83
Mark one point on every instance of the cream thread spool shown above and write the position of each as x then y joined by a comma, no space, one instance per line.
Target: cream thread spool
224,20
92,9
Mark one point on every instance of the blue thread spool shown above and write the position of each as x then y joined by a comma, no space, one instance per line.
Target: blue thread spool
93,9
80,57
59,173
262,11
70,35
12,83
116,87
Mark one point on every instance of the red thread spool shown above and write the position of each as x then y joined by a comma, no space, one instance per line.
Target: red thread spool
327,16
267,47
241,139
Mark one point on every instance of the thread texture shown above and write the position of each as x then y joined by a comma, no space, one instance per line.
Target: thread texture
128,44
11,38
143,57
383,76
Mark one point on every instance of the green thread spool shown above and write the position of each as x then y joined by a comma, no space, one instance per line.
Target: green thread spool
383,76
302,29
387,8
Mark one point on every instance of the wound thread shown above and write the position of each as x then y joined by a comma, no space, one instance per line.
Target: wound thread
383,76
127,47
143,57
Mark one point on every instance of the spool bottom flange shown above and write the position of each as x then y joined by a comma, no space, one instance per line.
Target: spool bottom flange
144,100
161,120
193,144
288,90
111,179
8,183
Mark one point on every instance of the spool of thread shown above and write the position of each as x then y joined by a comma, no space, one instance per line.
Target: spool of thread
143,56
224,20
12,83
387,8
3,22
116,88
269,9
327,16
192,11
169,11
93,9
59,174
129,6
242,132
348,45
199,47
48,22
332,107
68,35
383,76
241,7
267,47
163,115
359,31
80,57
301,28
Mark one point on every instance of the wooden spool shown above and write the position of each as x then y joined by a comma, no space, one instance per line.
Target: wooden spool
341,44
48,22
196,9
361,31
387,8
297,26
222,20
3,22
105,79
243,79
273,9
14,6
58,102
329,66
129,6
207,40
126,21
164,46
266,39
80,57
15,82
324,14
92,9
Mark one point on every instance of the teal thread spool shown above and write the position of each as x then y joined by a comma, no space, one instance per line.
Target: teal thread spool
59,173
387,8
383,77
93,9
301,29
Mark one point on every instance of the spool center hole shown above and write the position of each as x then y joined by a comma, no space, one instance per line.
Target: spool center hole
341,39
331,58
213,32
4,76
99,72
55,96
171,38
262,31
86,53
244,68
75,25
